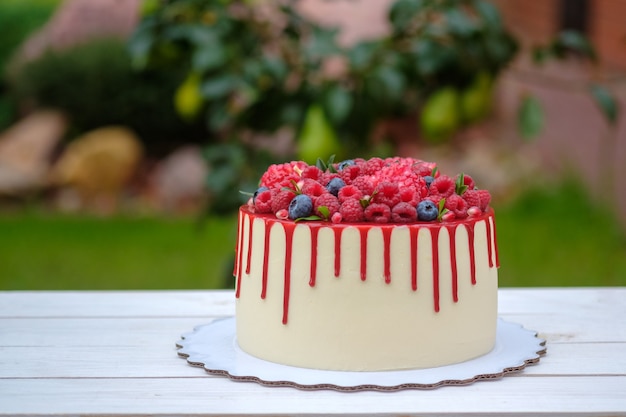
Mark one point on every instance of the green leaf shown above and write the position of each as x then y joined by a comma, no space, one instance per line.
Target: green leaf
607,103
321,165
218,87
308,218
530,117
338,102
442,209
574,41
324,211
459,185
489,14
208,58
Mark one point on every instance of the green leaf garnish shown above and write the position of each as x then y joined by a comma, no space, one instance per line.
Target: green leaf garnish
249,194
442,209
324,211
308,218
296,190
434,171
459,185
326,166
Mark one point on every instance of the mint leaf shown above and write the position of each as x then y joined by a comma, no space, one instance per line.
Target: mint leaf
324,211
459,185
310,218
441,208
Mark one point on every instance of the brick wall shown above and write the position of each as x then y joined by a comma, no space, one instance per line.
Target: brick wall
537,21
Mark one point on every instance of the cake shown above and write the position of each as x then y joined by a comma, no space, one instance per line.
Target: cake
366,265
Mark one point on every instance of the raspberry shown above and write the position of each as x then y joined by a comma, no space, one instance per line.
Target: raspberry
349,191
263,202
485,199
442,186
423,168
410,195
351,210
312,172
281,174
472,198
372,166
336,218
387,193
403,213
281,200
312,188
349,173
474,211
456,204
365,184
328,200
377,213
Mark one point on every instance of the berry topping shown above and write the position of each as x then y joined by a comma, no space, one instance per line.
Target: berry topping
443,186
326,200
427,211
281,200
334,185
403,213
352,211
398,190
300,206
377,213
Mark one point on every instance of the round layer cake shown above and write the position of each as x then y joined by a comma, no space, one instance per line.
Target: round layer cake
386,292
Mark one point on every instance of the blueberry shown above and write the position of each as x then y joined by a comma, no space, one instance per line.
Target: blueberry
427,211
335,185
257,192
346,163
300,206
429,180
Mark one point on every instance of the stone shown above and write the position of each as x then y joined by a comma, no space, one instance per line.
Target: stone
179,180
99,165
26,150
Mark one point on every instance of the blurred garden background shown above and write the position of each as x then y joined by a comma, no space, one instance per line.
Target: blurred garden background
128,127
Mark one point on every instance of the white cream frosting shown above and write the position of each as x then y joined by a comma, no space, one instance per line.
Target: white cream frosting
346,323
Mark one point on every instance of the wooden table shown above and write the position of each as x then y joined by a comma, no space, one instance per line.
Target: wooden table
114,353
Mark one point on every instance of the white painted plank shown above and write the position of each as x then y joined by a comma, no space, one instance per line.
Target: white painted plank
214,396
162,361
200,303
96,332
117,303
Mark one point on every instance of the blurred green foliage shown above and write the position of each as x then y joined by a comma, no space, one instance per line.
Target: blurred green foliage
18,19
96,86
261,65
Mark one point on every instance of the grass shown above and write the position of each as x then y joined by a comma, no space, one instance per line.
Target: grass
39,251
547,237
557,237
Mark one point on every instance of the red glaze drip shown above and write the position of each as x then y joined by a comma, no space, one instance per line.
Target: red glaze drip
488,225
266,252
289,228
249,245
363,232
495,239
470,242
387,253
413,233
455,279
237,270
313,273
434,236
337,231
